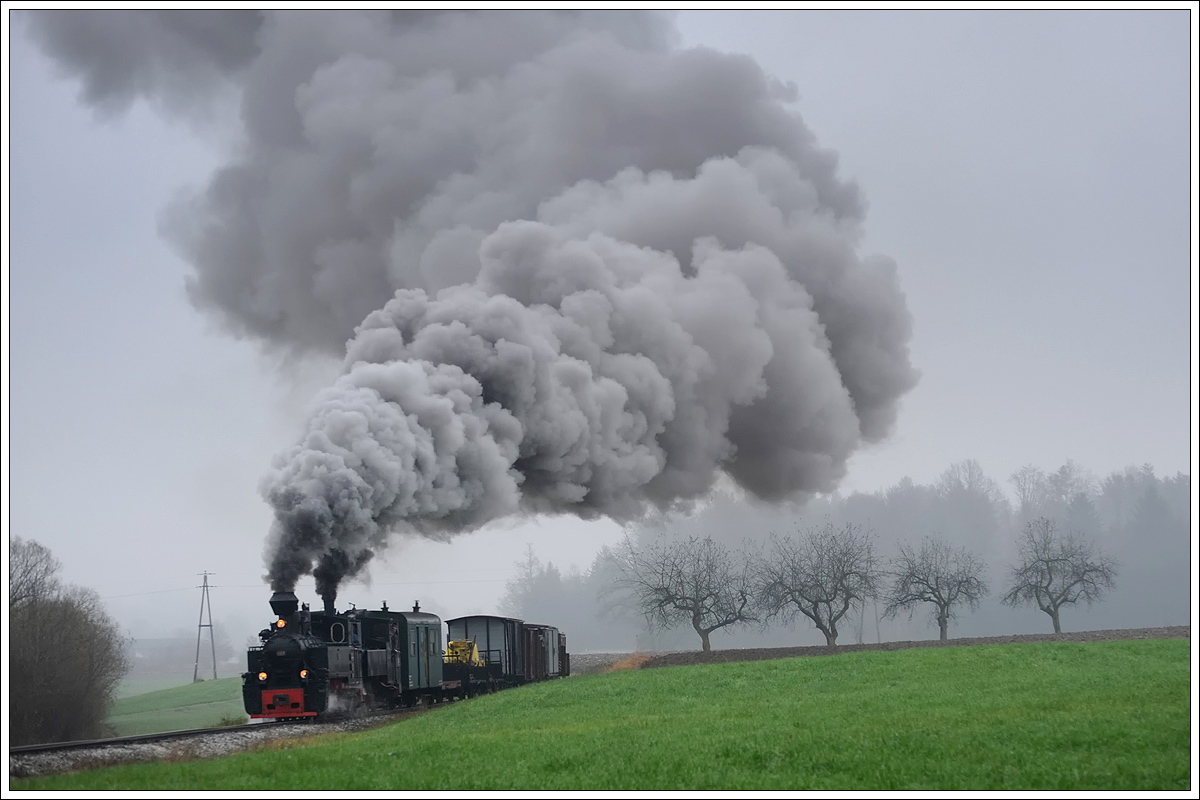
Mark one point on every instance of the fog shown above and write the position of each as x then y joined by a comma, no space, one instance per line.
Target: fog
1137,518
203,209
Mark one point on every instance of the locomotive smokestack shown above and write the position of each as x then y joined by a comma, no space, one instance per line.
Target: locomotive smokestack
329,605
284,604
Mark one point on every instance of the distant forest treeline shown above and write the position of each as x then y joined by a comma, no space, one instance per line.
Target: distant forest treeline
1139,519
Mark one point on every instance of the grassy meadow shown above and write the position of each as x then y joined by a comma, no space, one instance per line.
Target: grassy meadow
196,705
1044,716
131,687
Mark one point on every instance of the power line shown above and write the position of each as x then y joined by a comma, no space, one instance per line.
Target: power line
142,594
436,583
263,586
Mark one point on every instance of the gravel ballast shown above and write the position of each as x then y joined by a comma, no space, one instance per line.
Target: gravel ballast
208,745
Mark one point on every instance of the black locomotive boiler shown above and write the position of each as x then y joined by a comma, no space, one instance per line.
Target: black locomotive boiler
314,662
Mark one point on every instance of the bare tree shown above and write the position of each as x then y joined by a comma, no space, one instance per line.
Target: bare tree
968,477
66,655
1032,490
970,504
535,585
821,575
31,573
693,580
938,574
1058,570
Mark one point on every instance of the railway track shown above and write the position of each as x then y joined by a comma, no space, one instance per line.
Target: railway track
121,741
27,761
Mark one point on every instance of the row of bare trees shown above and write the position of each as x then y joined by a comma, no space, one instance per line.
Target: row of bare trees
1140,519
825,574
65,656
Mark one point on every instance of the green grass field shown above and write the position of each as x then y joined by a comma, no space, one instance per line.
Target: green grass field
196,705
131,687
1046,716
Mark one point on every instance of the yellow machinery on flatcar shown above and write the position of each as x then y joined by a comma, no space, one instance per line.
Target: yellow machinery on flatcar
462,652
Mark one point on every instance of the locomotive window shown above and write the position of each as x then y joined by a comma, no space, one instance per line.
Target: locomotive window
337,633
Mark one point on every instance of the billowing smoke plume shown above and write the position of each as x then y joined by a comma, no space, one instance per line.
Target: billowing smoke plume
580,270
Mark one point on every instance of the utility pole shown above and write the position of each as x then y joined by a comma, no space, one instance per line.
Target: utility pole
200,626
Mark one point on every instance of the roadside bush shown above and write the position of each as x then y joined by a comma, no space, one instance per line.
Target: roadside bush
66,655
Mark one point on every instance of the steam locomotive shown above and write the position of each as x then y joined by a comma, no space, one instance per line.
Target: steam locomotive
316,662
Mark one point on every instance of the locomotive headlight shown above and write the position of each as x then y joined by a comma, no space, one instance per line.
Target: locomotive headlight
262,676
280,624
303,673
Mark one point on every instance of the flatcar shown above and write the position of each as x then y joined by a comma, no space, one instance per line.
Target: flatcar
316,662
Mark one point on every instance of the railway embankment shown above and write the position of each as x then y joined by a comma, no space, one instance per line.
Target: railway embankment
593,663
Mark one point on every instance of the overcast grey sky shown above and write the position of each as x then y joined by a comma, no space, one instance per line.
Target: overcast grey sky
1028,172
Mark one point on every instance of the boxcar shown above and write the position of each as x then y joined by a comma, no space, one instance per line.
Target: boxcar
541,652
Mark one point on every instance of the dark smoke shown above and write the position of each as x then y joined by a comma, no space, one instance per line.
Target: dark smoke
580,270
170,56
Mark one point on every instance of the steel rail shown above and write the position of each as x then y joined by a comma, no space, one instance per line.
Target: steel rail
50,747
83,744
